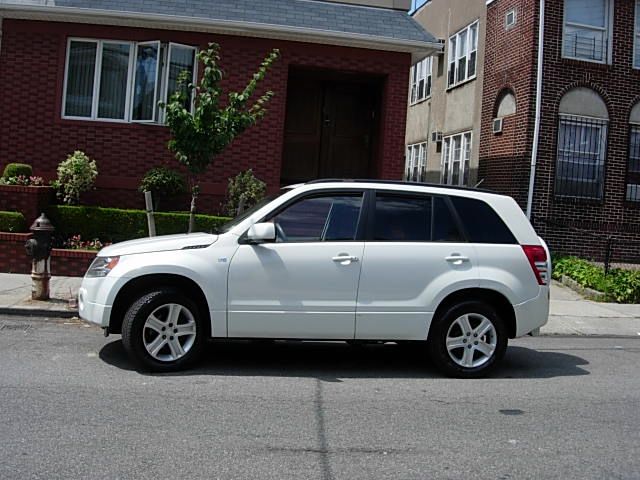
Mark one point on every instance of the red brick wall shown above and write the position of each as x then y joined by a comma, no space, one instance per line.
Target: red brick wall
68,263
510,63
32,131
570,226
13,257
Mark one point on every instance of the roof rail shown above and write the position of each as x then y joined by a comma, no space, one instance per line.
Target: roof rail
397,182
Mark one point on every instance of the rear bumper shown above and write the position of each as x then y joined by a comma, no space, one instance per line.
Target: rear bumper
533,313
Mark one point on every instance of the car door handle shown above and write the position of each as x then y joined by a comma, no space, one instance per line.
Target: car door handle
344,258
456,259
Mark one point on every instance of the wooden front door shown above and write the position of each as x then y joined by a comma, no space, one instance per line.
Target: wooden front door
329,129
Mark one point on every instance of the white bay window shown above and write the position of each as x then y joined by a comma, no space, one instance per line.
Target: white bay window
456,155
463,53
421,80
416,163
122,81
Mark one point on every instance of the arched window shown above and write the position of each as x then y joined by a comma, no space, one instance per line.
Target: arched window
582,145
633,168
506,104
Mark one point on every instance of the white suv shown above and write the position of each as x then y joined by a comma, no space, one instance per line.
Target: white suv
461,270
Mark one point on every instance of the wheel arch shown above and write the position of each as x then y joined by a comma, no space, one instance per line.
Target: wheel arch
138,286
496,299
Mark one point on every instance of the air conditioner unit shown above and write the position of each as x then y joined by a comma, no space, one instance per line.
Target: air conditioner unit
497,125
436,137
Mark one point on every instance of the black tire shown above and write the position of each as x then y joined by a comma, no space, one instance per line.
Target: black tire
134,333
440,328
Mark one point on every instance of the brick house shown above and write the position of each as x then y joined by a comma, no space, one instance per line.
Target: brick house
88,74
586,168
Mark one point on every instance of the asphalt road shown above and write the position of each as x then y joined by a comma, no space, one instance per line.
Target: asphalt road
71,406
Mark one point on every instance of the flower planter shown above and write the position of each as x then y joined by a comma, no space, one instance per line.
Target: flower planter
14,259
30,201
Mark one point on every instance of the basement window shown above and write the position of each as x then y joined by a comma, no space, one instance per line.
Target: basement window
120,81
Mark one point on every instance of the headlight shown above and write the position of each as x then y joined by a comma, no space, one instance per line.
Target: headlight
101,266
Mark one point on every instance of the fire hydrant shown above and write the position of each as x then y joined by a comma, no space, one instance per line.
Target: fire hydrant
39,248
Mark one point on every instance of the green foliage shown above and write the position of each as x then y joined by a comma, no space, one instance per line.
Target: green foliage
12,222
197,137
16,170
244,189
117,225
619,285
162,182
76,174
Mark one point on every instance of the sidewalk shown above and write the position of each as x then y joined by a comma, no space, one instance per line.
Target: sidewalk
570,314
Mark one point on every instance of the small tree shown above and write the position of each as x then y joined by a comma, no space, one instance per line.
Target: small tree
76,174
198,136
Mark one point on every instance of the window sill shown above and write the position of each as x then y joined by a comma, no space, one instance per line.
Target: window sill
418,102
107,122
580,60
460,84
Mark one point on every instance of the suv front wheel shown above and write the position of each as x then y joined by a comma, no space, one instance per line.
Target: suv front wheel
162,330
467,340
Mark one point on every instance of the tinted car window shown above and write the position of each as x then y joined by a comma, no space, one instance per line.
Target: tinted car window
402,218
330,218
482,223
445,228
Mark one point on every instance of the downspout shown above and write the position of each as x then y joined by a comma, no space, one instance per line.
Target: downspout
536,129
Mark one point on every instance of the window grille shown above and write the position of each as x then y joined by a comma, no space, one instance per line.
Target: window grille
582,144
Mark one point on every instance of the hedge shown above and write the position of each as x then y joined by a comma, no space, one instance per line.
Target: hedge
619,285
116,225
12,222
17,169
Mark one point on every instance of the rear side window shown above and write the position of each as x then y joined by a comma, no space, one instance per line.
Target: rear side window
482,223
419,218
402,219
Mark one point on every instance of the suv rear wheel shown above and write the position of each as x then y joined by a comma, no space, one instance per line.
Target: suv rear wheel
162,330
467,340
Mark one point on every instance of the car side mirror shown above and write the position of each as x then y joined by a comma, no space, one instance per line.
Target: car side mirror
261,233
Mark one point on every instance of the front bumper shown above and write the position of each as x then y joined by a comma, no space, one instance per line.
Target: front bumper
95,299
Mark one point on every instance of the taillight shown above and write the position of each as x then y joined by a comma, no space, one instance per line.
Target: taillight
537,256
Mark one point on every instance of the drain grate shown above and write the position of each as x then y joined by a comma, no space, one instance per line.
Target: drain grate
15,327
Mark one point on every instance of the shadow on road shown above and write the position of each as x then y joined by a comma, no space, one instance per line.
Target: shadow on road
331,361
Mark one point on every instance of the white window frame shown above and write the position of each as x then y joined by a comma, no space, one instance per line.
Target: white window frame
636,37
161,86
603,126
415,169
454,56
421,72
448,153
156,87
166,58
608,34
514,13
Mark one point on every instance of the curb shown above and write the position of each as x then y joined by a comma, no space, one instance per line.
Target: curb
38,312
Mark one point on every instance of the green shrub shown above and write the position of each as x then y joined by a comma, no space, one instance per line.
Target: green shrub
16,170
12,222
244,189
162,182
117,225
76,174
619,285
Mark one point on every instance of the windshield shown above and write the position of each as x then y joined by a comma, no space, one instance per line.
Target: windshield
247,213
